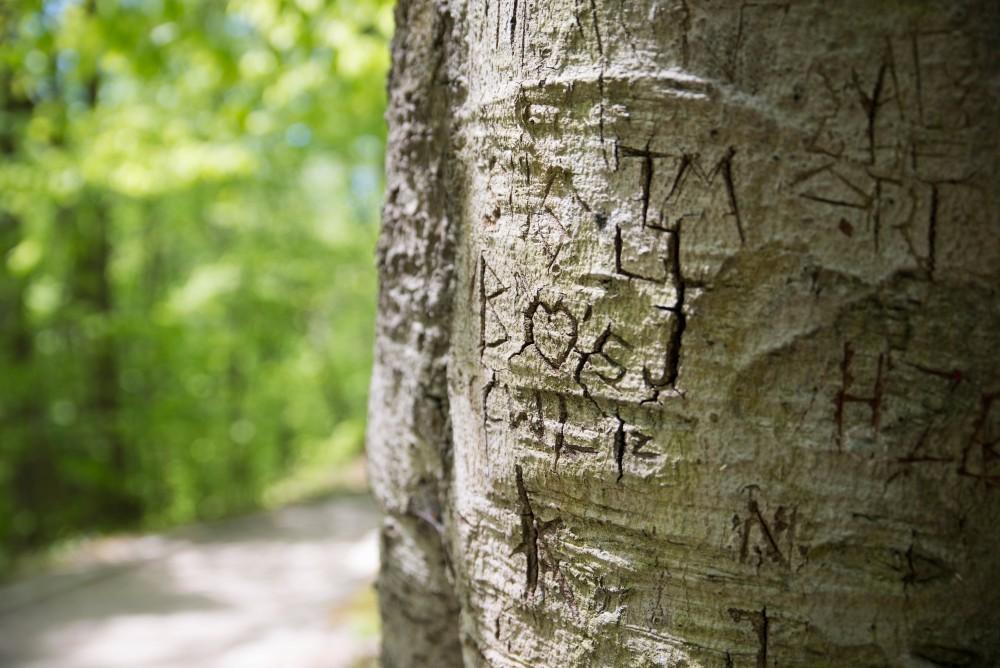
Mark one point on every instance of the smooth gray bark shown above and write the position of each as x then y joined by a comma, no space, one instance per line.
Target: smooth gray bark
687,345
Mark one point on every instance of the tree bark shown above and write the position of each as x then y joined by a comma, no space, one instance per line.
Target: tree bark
687,333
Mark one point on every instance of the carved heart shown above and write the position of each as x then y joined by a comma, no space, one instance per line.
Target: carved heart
554,331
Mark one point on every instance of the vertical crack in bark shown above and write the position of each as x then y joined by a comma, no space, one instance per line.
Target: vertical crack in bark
529,534
487,390
600,118
513,24
647,183
838,401
677,335
524,28
672,363
727,175
932,232
620,447
499,15
876,214
685,35
482,305
597,28
759,621
561,434
870,105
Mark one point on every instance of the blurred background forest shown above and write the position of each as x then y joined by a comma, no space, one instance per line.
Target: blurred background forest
189,196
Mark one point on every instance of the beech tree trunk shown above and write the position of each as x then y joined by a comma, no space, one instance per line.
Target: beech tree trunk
687,346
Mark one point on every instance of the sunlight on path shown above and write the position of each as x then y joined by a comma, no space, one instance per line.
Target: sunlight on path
266,591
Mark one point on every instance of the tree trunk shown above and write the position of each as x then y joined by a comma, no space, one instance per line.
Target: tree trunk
24,445
687,340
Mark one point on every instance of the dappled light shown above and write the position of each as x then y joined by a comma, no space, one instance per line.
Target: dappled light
189,197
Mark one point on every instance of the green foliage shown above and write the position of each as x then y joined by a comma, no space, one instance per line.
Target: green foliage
188,206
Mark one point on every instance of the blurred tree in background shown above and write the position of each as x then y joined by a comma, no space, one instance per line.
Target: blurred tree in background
188,206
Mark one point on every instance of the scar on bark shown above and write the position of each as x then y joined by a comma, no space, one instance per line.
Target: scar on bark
759,621
600,118
561,434
647,183
487,390
870,104
917,568
844,397
917,455
646,174
755,516
620,266
607,336
528,326
955,376
529,534
932,232
497,40
531,530
619,447
672,361
529,329
630,38
513,24
639,443
578,379
621,444
979,437
576,19
552,565
727,175
597,28
657,615
538,428
524,28
485,297
690,163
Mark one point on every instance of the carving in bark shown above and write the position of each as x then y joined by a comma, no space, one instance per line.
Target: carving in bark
688,329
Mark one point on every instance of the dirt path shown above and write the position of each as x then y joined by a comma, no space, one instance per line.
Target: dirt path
288,589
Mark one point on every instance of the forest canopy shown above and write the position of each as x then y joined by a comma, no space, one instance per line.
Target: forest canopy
188,208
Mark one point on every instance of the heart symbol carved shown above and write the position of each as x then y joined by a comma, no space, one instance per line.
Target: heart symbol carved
553,329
